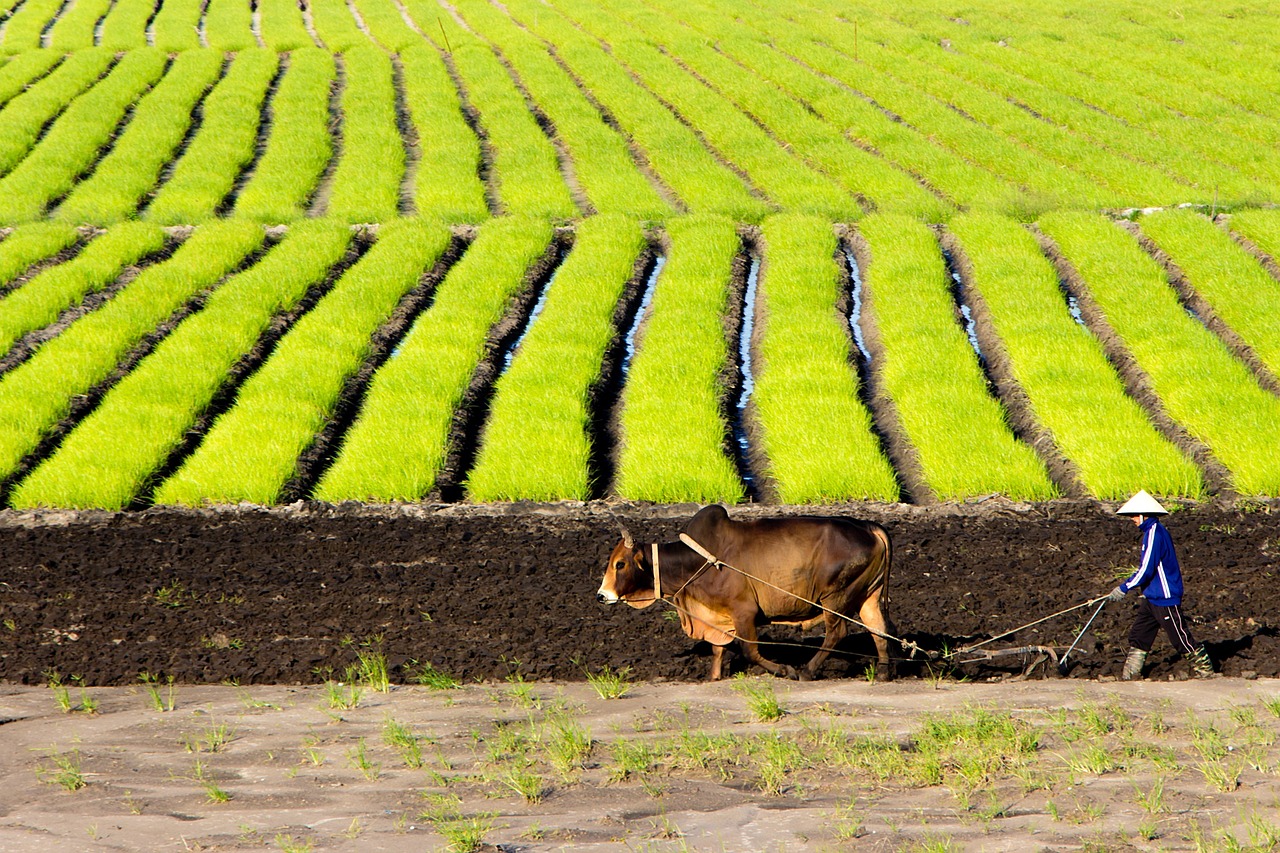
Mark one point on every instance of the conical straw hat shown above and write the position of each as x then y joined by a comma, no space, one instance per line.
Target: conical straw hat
1142,504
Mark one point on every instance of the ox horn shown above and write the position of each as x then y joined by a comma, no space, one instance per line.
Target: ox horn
627,541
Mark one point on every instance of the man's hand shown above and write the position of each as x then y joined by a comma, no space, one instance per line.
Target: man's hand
1116,594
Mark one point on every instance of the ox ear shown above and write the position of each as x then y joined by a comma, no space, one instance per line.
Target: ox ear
627,541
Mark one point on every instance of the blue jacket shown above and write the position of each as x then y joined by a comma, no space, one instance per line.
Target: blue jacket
1158,575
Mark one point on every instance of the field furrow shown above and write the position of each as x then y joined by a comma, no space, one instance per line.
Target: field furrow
159,124
125,28
299,146
75,28
930,372
24,119
24,70
109,459
371,164
387,25
814,432
1262,229
252,452
35,397
673,431
72,144
1212,395
28,24
1072,389
228,25
398,445
335,26
177,25
281,25
536,442
29,245
206,172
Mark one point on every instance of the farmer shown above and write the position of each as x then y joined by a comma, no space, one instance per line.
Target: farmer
1160,581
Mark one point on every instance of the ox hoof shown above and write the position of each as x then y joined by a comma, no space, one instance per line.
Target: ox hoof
805,675
790,672
883,674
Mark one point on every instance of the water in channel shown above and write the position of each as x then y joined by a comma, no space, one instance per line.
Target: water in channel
646,298
747,378
855,306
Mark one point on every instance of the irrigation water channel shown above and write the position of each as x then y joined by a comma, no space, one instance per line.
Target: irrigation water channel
747,379
642,311
855,306
957,294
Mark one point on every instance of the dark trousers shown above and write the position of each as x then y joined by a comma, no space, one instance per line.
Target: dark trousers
1151,618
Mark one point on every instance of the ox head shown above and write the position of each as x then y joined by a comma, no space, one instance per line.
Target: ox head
626,577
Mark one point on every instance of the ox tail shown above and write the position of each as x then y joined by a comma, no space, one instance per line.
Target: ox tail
880,580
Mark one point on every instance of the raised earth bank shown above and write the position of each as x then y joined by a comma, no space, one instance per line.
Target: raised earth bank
479,592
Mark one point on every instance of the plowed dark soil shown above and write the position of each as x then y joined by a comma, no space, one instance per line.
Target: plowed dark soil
290,595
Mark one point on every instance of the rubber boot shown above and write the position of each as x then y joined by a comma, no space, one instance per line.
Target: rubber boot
1201,665
1133,665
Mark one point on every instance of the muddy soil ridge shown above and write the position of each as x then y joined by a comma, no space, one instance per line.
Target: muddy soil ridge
293,594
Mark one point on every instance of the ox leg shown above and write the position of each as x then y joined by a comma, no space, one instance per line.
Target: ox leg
873,617
837,629
717,662
746,631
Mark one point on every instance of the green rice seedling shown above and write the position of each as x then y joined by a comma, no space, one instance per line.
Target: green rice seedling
777,758
225,143
399,441
1260,227
72,142
1221,774
61,693
524,169
959,430
366,183
341,696
386,24
601,162
213,792
228,25
25,116
359,759
213,739
530,786
65,770
1199,383
73,30
463,834
159,123
336,27
176,25
446,183
761,701
398,736
630,758
29,245
1272,704
672,431
289,844
125,27
1090,760
281,25
38,303
426,674
1153,801
567,744
1239,290
672,149
610,683
24,29
814,430
37,394
161,701
162,398
535,444
371,671
300,144
251,453
18,73
1072,388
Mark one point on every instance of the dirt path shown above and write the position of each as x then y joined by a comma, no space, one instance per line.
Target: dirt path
670,766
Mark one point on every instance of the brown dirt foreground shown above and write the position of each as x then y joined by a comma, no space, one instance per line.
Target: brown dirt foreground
908,766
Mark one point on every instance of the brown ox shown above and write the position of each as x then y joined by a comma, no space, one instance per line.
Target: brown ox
839,563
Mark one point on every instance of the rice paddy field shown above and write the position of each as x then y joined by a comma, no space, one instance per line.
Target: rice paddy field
544,250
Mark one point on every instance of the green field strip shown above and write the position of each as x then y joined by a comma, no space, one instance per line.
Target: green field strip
930,372
366,183
300,145
24,29
75,139
159,125
815,432
1154,150
1201,386
337,29
74,28
387,25
107,461
252,451
673,440
222,147
125,28
672,149
22,71
1260,227
821,145
601,160
38,303
771,165
228,25
1073,390
281,25
177,24
24,118
961,182
399,442
536,444
38,394
525,169
30,244
446,183
1234,284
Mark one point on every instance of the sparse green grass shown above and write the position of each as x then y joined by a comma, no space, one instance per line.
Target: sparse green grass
398,736
358,757
64,769
463,833
426,674
610,683
161,701
761,700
